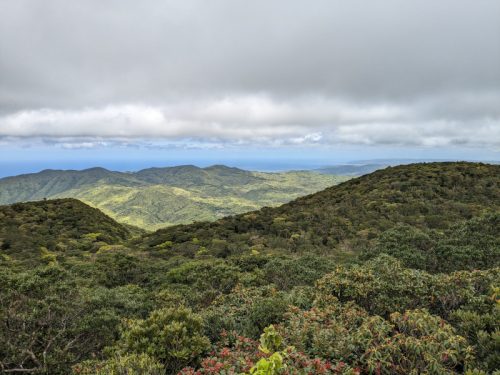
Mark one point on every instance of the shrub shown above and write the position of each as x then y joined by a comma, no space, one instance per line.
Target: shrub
240,355
131,364
410,342
246,310
383,285
380,286
172,336
287,273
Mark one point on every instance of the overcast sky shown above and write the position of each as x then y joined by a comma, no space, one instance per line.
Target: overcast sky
240,75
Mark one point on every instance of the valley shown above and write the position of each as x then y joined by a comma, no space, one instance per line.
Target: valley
158,197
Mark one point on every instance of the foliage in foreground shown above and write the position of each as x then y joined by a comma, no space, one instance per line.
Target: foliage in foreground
348,341
374,317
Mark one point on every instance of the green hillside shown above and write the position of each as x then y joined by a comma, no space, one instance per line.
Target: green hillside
42,230
397,272
352,214
159,197
45,184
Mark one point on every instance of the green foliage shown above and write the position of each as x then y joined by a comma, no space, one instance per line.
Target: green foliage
270,342
423,344
383,285
246,310
269,366
473,244
78,293
48,322
55,228
38,318
344,218
412,342
172,336
482,329
115,268
409,244
213,275
287,273
337,332
131,364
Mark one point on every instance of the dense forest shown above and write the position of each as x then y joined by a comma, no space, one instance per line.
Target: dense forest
395,272
157,197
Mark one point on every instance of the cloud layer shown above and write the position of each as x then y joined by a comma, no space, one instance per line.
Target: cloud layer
420,73
262,119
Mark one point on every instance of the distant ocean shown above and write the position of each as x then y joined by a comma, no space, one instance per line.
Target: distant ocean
13,168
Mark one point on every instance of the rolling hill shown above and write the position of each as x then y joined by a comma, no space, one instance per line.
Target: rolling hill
40,230
158,197
351,215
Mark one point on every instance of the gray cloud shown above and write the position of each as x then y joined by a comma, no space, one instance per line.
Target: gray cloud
275,72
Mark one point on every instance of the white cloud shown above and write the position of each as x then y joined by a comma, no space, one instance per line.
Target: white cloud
78,145
257,119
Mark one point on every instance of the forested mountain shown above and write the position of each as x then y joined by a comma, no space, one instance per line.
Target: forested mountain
396,272
157,197
352,214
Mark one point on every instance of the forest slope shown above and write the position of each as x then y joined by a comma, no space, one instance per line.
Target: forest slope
34,231
352,214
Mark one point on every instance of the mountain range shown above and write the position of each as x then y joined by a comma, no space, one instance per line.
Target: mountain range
158,197
341,220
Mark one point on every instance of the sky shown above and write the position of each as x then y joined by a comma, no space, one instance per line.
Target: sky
263,84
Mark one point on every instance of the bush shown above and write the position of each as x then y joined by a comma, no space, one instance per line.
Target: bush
422,343
383,285
473,244
380,286
483,331
172,336
287,273
414,341
131,364
247,311
240,355
47,322
206,275
410,245
336,332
